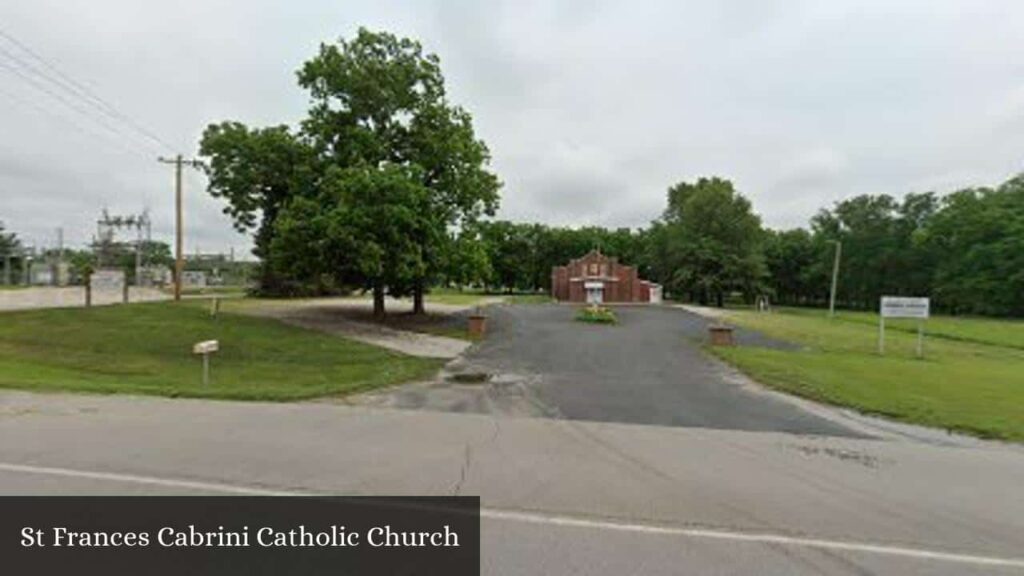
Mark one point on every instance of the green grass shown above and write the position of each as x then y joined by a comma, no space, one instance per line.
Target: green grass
528,298
470,297
980,330
467,298
455,297
971,379
146,349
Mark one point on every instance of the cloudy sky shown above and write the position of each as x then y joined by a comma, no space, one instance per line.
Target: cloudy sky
591,109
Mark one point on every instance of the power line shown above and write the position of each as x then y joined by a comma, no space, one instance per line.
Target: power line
71,104
74,87
56,76
64,100
85,129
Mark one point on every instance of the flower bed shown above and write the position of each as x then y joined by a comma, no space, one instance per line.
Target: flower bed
596,315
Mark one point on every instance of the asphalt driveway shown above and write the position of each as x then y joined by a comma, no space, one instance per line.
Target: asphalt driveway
648,369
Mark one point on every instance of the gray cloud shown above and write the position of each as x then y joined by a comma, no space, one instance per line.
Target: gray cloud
591,109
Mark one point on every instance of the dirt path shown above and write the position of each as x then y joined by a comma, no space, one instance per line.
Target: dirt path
336,316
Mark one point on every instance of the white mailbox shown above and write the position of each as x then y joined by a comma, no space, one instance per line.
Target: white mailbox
206,347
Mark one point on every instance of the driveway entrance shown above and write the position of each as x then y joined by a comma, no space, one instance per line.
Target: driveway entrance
650,368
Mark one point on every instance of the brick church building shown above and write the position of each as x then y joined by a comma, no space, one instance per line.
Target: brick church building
597,278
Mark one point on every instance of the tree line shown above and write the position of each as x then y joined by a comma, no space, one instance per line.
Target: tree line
965,250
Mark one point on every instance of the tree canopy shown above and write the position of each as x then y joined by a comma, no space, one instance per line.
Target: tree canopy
965,250
707,243
368,190
9,242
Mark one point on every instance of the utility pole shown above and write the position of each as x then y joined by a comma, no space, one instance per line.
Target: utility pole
179,255
835,279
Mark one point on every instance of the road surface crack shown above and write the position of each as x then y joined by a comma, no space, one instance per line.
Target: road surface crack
467,459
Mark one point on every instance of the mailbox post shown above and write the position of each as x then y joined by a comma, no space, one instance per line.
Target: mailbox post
206,348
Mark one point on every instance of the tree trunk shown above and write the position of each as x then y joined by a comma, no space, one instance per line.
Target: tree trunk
417,298
378,301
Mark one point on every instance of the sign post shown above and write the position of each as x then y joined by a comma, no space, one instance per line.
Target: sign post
903,307
920,339
881,334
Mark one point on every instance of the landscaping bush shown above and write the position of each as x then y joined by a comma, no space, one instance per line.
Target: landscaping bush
596,315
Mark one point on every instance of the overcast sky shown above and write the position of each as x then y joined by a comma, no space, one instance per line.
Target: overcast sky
591,109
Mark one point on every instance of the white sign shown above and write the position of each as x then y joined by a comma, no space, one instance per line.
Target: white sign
206,347
107,279
193,278
902,307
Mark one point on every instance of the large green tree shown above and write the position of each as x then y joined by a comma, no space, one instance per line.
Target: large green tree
708,242
379,114
364,229
379,99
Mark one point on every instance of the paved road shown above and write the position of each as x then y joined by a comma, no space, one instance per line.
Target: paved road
648,369
560,497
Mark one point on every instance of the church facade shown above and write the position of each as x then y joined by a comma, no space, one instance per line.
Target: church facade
595,278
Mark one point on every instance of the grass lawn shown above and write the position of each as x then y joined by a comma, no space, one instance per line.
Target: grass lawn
528,298
981,330
471,297
146,349
455,297
971,379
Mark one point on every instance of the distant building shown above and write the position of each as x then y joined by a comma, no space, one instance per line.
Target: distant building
44,273
193,278
596,278
154,276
